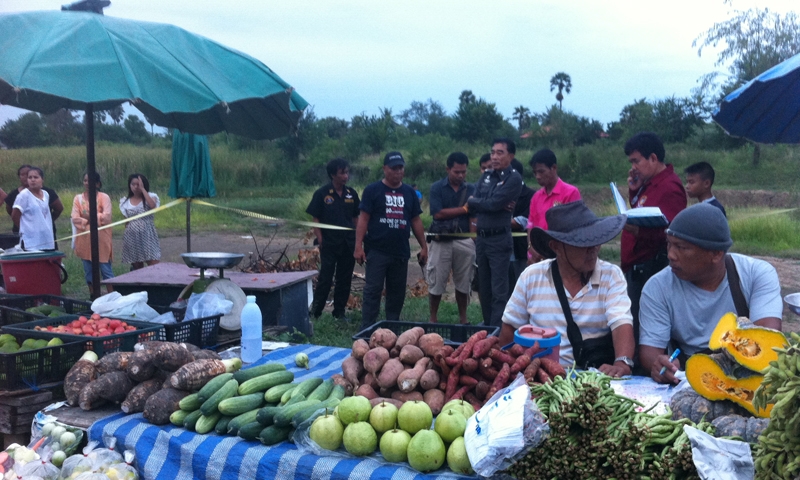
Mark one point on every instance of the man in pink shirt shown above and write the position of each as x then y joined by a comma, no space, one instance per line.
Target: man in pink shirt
554,191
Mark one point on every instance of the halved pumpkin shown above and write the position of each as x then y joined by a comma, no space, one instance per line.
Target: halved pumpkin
748,344
715,377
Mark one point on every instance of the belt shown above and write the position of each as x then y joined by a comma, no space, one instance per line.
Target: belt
490,232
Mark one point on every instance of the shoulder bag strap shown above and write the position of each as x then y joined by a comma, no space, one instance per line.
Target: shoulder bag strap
573,332
739,301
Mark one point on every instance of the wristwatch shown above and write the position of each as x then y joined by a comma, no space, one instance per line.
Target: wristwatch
627,361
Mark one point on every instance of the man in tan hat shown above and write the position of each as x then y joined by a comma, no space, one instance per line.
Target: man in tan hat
582,297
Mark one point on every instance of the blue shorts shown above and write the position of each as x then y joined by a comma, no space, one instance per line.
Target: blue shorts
105,270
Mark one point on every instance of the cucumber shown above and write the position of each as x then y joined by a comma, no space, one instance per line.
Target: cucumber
227,391
284,417
190,402
287,395
237,405
238,421
293,400
337,392
266,414
272,435
191,420
307,386
206,423
306,413
222,425
265,382
244,375
274,394
178,416
213,385
250,430
322,391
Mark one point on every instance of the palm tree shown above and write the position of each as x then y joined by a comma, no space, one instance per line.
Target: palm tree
522,115
561,81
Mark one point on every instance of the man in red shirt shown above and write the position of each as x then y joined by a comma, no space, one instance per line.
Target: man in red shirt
554,191
651,183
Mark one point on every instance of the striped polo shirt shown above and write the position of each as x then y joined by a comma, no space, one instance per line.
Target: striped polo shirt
599,307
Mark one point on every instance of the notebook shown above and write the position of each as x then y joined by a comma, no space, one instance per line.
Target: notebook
649,217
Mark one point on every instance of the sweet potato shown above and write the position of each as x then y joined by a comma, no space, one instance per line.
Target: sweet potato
366,391
137,397
470,344
440,359
409,337
501,380
482,347
372,381
360,348
430,343
407,397
533,349
429,380
114,386
389,373
470,365
81,373
542,376
386,392
452,382
205,354
467,380
352,368
481,389
171,356
140,365
409,379
435,399
487,370
374,359
530,370
459,394
113,362
553,368
194,375
383,337
516,350
338,379
410,354
501,356
379,400
161,404
520,364
473,400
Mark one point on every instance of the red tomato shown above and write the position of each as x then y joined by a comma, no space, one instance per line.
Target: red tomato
95,316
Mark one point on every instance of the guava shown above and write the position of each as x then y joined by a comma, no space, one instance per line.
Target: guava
327,431
450,424
457,458
394,445
58,458
426,451
465,407
360,438
383,417
68,439
354,409
414,416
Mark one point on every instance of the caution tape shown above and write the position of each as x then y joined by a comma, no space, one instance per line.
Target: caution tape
757,215
273,219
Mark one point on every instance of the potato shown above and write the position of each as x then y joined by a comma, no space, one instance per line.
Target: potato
383,337
430,343
360,348
435,399
409,337
372,380
410,354
407,397
352,368
429,380
389,373
366,391
374,359
340,380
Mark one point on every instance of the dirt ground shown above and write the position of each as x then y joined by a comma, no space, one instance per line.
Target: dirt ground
171,247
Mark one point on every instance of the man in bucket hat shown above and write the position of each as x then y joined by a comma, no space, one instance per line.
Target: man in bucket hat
596,327
682,303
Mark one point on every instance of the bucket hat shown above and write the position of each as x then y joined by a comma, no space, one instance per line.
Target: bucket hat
574,224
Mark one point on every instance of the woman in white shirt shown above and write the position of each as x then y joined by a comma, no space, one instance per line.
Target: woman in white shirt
31,213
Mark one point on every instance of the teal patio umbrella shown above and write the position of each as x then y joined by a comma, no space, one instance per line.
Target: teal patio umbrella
191,176
51,60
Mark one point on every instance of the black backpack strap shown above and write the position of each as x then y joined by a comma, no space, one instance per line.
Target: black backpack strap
742,310
573,332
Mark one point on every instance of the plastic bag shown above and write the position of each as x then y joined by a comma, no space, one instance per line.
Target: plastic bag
132,306
720,458
207,304
164,319
505,429
39,468
55,433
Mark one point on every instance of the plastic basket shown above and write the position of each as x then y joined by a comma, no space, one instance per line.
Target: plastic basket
199,331
13,310
32,368
118,342
452,334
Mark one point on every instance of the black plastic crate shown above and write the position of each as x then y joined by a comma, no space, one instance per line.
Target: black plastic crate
201,332
33,368
118,342
453,334
13,310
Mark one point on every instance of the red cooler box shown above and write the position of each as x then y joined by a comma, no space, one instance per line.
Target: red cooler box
39,273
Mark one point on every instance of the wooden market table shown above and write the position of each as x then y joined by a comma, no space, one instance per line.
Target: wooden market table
284,298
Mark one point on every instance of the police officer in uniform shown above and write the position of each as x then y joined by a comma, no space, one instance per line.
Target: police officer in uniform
335,204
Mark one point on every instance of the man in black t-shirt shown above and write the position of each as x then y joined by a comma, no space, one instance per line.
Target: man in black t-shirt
389,212
335,204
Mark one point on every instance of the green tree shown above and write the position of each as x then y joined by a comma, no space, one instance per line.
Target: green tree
522,115
673,119
64,128
423,118
117,114
27,131
478,121
563,83
135,126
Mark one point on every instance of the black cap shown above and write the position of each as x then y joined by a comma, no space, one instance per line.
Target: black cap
392,159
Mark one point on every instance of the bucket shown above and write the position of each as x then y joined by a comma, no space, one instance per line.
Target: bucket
33,273
548,338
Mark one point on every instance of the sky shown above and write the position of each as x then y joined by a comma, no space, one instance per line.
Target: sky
348,57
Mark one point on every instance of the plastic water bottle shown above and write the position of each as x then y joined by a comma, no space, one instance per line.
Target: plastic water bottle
251,331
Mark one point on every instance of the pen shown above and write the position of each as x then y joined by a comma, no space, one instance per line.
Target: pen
671,358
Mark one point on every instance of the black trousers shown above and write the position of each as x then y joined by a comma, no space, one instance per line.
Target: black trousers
494,257
338,261
383,269
636,277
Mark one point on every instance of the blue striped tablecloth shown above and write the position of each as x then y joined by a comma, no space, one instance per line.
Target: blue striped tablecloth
169,452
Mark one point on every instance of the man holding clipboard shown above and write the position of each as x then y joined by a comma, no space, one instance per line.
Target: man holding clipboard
651,183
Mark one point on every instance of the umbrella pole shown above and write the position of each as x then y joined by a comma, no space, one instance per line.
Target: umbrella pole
91,172
189,225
